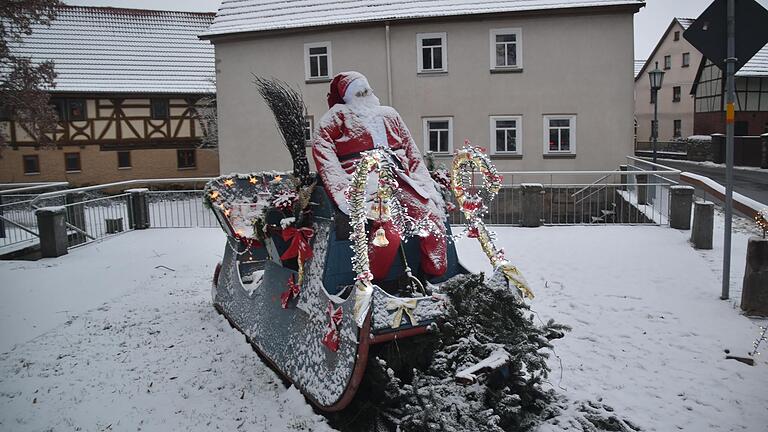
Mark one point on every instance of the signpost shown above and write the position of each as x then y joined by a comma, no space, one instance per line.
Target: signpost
715,34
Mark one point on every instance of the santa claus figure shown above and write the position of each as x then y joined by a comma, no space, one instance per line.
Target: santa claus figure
356,122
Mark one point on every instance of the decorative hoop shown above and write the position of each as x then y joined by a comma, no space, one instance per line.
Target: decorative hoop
467,159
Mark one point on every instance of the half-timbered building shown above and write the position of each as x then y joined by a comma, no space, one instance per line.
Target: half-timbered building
751,107
131,90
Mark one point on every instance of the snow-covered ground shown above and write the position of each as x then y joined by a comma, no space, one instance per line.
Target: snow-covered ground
120,334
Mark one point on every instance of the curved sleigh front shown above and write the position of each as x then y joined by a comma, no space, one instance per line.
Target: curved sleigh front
299,314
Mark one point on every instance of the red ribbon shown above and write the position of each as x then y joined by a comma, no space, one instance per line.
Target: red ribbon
292,292
331,337
299,243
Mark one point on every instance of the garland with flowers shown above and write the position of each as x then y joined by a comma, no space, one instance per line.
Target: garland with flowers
472,201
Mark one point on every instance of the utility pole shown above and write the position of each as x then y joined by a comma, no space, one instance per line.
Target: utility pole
730,115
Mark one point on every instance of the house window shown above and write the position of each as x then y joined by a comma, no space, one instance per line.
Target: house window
31,164
668,62
159,109
677,35
506,49
317,61
4,113
686,59
70,109
72,162
432,53
123,159
678,129
76,110
676,94
560,134
308,129
185,159
506,135
60,107
438,134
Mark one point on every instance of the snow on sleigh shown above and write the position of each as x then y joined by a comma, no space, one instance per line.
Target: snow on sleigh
295,277
296,294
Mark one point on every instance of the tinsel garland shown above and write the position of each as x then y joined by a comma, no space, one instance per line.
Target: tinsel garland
405,226
473,205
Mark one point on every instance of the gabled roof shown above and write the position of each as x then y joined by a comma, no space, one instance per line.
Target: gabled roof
103,49
757,66
684,23
639,66
237,16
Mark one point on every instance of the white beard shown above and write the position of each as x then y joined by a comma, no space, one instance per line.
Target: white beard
368,110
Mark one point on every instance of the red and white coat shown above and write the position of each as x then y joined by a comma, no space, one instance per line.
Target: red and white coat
341,136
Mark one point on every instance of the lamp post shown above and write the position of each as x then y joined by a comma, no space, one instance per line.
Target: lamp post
657,77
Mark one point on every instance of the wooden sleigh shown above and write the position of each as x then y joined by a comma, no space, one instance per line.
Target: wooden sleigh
293,321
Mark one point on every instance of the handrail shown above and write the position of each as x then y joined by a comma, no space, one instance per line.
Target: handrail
670,171
120,183
663,167
594,183
33,186
19,225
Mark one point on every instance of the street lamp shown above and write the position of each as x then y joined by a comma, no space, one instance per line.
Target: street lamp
657,77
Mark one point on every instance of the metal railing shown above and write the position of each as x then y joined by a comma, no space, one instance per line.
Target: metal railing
96,218
179,209
18,223
637,195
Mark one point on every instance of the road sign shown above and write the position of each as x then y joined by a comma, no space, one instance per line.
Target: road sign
708,32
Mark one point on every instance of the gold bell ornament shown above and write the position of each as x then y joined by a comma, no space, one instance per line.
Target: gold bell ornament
380,240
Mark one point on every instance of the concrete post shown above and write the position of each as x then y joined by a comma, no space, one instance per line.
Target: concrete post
764,160
2,222
532,204
703,224
53,231
642,189
138,216
718,148
76,213
754,294
681,199
623,177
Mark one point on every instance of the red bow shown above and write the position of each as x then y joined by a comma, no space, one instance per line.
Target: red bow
292,292
331,338
299,243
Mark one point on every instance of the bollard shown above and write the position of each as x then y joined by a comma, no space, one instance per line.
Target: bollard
138,216
764,160
532,204
681,199
2,222
642,189
703,224
52,228
718,148
623,177
754,293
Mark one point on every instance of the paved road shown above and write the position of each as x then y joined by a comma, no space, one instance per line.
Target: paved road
753,184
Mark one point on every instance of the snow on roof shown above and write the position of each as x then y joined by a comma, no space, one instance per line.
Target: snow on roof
757,66
103,49
639,66
236,16
685,22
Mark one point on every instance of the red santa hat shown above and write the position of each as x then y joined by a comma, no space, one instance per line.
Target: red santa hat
339,86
